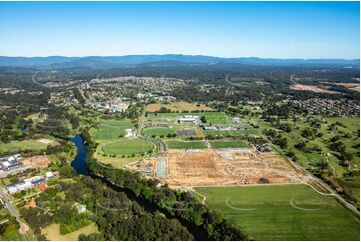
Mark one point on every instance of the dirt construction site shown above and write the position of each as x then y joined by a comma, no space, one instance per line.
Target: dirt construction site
220,167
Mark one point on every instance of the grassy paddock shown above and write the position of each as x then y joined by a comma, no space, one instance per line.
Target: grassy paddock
283,212
19,146
52,232
175,144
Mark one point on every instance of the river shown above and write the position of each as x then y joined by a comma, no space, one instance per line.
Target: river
79,162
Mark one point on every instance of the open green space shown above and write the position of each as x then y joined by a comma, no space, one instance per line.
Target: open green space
111,129
177,144
126,147
229,144
283,212
158,131
20,146
52,232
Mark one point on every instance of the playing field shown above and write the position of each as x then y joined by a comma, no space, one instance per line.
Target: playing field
283,212
158,131
229,144
175,144
126,147
112,129
216,117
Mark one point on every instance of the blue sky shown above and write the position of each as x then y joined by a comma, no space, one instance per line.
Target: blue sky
226,29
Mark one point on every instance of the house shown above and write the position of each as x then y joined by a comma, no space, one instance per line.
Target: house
25,184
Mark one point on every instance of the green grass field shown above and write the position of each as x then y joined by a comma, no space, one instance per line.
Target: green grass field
52,232
111,129
283,212
175,144
229,144
158,131
19,146
126,147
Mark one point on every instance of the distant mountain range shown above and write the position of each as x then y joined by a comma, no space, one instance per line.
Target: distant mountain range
161,60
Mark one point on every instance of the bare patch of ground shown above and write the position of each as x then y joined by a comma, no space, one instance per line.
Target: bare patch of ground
178,106
225,167
300,87
39,161
46,141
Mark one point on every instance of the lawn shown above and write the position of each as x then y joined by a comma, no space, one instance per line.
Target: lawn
19,146
112,129
158,131
283,212
229,144
175,144
126,147
52,232
216,117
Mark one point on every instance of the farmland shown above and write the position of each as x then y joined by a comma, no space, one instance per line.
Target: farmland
283,212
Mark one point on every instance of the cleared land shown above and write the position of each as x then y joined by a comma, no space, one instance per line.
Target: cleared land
39,161
230,167
283,212
178,106
52,232
126,147
300,87
229,144
177,144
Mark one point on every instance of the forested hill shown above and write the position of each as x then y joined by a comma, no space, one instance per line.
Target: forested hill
161,60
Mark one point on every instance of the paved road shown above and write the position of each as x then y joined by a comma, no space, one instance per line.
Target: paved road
13,212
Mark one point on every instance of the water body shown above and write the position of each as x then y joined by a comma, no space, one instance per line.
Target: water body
80,166
79,162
